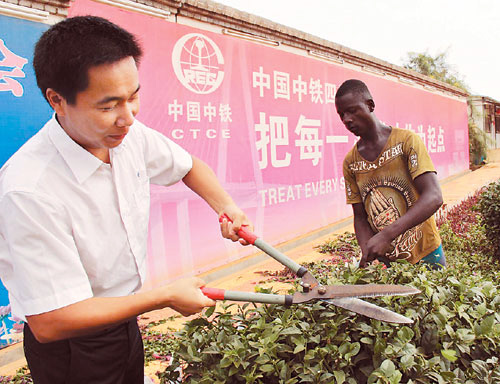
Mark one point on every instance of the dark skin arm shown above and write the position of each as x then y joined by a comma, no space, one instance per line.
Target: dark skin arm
363,230
429,201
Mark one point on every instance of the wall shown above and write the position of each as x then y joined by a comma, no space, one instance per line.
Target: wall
485,112
494,155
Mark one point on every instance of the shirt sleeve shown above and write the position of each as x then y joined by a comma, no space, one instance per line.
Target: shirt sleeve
39,261
419,161
352,193
166,161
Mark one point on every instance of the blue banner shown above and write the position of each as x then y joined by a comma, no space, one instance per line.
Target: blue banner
22,107
23,112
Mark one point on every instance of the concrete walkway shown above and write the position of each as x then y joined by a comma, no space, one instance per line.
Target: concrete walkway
244,274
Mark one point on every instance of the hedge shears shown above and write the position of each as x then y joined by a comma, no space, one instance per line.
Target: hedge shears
343,296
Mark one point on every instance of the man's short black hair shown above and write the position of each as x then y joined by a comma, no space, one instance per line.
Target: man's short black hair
66,51
355,86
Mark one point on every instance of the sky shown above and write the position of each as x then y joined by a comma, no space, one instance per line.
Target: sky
469,30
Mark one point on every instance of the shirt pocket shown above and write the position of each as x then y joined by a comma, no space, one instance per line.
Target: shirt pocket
141,194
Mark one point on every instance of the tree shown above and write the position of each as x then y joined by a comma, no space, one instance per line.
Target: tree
436,67
478,140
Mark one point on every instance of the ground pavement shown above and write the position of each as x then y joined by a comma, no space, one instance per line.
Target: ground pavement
244,274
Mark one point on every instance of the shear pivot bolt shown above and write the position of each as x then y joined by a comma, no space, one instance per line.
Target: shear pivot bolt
306,287
321,290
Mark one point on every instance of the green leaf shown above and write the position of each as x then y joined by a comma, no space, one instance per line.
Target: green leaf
226,362
198,322
429,340
487,325
267,368
449,354
263,359
367,340
315,339
209,311
233,370
339,376
465,335
345,347
291,331
437,377
380,345
405,334
299,348
481,369
450,377
306,378
387,368
395,378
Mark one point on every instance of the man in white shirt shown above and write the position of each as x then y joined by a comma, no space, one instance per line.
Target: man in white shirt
74,206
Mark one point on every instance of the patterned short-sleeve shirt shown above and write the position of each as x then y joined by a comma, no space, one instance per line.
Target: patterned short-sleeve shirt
385,187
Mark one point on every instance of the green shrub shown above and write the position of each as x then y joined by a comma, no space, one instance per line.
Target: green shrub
343,247
465,237
470,252
455,337
489,207
22,376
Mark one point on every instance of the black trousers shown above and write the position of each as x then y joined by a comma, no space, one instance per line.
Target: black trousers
112,356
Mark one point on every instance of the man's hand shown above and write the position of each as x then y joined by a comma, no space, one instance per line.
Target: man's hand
384,213
185,296
237,219
377,246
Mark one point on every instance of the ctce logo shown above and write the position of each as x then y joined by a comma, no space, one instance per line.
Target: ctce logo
198,63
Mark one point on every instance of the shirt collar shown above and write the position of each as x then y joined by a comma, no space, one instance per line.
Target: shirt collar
81,162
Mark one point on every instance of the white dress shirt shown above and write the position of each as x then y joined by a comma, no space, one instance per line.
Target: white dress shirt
73,227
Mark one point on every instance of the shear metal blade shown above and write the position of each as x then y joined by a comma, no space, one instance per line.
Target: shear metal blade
353,291
370,310
368,290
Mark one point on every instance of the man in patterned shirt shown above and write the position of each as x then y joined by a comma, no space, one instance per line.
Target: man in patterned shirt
391,184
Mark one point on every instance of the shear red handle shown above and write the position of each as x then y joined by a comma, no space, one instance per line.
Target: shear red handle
213,293
251,238
266,298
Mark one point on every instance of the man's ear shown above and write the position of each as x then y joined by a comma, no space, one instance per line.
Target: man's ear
56,101
371,105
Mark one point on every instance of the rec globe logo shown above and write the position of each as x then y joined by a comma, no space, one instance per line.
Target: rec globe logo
198,63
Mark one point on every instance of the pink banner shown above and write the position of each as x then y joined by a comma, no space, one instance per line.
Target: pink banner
264,119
